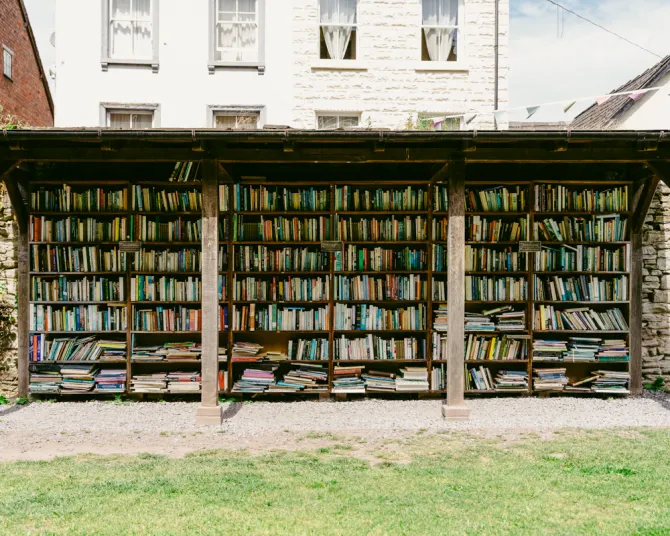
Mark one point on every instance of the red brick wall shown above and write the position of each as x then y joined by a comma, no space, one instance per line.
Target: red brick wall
24,96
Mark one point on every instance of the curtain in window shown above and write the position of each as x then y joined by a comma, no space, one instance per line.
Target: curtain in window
440,40
142,29
121,31
237,30
143,121
334,13
119,120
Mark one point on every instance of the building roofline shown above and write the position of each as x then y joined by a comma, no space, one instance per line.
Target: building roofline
33,42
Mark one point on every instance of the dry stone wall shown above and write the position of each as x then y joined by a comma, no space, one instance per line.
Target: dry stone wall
8,267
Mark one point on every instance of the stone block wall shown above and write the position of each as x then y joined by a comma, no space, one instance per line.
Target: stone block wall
8,273
656,288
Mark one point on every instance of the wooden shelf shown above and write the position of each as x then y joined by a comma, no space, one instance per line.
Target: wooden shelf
388,213
185,213
257,274
378,331
571,302
160,303
165,332
170,184
573,332
165,361
66,303
34,332
72,362
72,213
270,243
278,302
271,213
247,332
540,214
567,243
510,274
94,243
399,303
383,361
508,214
485,302
185,274
496,361
386,272
81,274
568,273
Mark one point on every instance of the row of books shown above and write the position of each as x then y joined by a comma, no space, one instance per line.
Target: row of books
581,288
151,199
548,318
281,229
77,318
378,348
390,287
152,229
370,317
154,288
75,229
276,318
85,289
497,199
185,172
65,199
262,198
438,377
75,349
360,259
290,289
481,379
73,379
352,379
484,229
559,198
496,348
487,288
360,199
390,229
76,259
279,259
439,290
600,381
583,259
169,351
175,318
307,349
581,349
164,260
606,228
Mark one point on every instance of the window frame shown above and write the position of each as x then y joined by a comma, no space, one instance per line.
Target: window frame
110,107
442,117
356,26
233,110
6,51
339,115
107,60
213,64
461,41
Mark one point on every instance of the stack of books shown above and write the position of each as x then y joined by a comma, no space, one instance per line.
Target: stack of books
304,378
544,350
412,379
613,350
347,379
183,382
511,380
110,381
45,379
246,351
440,320
550,379
255,380
149,383
511,320
581,349
223,353
78,378
169,351
611,381
379,382
478,322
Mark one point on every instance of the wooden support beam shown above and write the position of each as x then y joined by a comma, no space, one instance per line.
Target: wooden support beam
455,409
635,333
641,206
442,174
209,411
18,204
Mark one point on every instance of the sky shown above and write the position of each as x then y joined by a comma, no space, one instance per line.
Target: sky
549,61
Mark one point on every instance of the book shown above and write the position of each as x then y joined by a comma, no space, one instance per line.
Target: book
483,259
250,198
156,199
581,288
283,289
560,198
548,318
549,379
69,198
279,318
374,288
351,198
75,229
370,317
280,229
77,318
279,259
491,288
497,199
378,259
67,289
389,229
373,347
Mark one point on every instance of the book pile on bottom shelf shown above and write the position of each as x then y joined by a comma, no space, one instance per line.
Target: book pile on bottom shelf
308,378
256,380
155,382
549,379
110,381
183,382
75,379
602,381
412,380
347,380
510,381
78,378
582,350
45,379
379,382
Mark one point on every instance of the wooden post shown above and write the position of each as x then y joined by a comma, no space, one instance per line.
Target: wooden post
635,333
209,411
455,409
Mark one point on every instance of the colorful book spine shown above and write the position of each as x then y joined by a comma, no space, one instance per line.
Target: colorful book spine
367,317
281,229
75,229
382,229
277,198
282,289
86,289
350,198
65,199
390,287
360,259
287,259
77,318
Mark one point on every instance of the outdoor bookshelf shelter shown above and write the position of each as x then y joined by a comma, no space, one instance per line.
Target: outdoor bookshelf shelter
330,263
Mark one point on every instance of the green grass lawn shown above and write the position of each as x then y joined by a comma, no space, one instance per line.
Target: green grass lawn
605,483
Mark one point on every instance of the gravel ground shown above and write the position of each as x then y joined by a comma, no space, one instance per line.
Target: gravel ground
44,430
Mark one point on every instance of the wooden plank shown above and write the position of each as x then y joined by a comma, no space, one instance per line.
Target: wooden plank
22,324
456,295
641,206
635,334
209,411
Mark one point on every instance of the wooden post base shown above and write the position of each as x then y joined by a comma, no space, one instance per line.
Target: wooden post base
456,413
209,416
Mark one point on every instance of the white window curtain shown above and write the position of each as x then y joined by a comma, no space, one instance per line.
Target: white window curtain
131,29
331,122
237,30
440,24
338,18
237,122
130,120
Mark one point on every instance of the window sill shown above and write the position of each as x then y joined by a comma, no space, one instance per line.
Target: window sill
441,66
106,62
236,65
340,65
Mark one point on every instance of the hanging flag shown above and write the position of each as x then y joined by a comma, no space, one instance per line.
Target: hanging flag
532,110
603,99
470,118
568,106
637,95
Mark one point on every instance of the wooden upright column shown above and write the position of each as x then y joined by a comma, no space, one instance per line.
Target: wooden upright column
455,409
209,411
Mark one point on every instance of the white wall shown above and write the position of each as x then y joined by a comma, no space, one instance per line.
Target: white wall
651,112
391,86
183,86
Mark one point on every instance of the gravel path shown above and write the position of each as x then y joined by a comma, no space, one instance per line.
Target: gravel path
44,430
